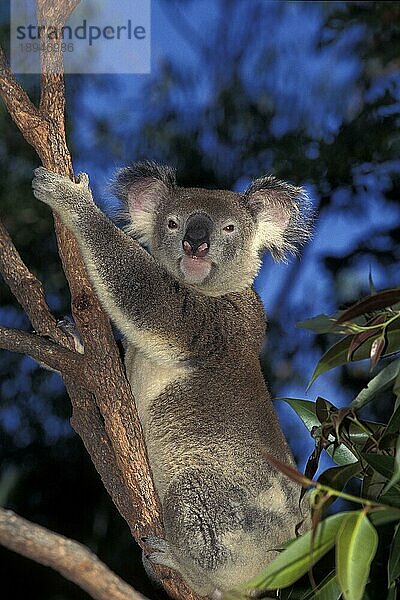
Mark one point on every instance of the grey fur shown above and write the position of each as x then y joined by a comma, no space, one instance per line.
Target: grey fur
194,328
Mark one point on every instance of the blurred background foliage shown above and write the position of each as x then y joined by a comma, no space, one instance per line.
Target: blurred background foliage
308,91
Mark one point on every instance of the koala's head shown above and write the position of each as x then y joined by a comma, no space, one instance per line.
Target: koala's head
212,239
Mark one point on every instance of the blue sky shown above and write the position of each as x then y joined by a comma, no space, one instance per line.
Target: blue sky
315,89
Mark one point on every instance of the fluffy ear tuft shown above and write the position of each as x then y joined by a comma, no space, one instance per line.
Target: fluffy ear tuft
140,181
283,214
140,186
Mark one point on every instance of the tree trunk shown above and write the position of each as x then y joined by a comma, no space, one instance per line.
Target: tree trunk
104,412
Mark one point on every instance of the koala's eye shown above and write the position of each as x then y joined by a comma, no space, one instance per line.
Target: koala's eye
229,228
172,224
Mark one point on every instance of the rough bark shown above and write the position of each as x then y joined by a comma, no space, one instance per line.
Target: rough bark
28,290
44,351
104,413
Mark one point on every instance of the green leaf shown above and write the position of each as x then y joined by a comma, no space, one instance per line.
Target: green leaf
396,391
393,426
337,354
392,591
383,516
370,304
359,433
395,478
342,455
337,477
383,464
391,497
306,411
328,589
378,384
296,559
318,324
356,545
394,558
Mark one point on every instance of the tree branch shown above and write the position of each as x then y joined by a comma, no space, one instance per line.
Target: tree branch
24,113
44,351
53,13
28,290
73,560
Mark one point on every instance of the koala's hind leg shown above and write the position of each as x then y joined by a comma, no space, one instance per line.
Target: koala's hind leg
200,508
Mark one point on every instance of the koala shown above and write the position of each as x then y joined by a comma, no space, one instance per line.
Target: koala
177,282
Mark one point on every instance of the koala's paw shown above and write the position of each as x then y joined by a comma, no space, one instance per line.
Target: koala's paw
67,325
60,193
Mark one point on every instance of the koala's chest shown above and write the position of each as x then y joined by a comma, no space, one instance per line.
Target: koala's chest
148,379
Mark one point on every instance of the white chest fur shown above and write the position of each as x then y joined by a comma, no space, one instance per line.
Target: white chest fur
148,377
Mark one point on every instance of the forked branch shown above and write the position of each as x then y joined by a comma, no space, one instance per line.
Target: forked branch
104,412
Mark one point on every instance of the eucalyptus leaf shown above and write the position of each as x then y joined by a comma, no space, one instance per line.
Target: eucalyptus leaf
391,497
328,589
393,426
394,558
383,516
342,455
337,477
395,478
336,356
360,434
371,303
356,545
392,591
306,411
360,338
377,350
379,383
319,323
296,559
383,464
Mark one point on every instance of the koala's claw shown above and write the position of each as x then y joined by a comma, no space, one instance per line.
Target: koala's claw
63,195
82,179
67,325
161,552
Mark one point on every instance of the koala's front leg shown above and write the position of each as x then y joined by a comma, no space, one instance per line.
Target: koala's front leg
135,290
105,249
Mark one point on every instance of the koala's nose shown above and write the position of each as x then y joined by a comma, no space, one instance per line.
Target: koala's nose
196,241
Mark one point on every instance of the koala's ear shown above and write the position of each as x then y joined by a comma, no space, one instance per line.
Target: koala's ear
283,215
140,186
